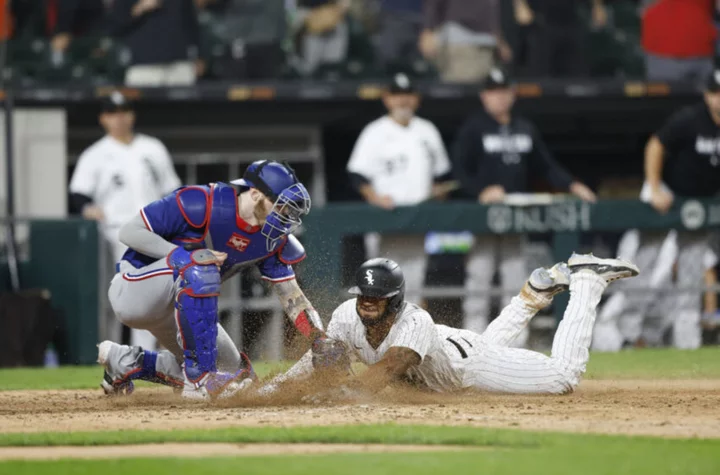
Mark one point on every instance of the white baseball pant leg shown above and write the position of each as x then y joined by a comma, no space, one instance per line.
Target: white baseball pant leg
510,254
138,337
409,252
144,298
606,335
686,330
655,269
498,368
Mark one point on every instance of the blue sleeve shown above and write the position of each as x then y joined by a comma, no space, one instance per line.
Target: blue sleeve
165,217
274,270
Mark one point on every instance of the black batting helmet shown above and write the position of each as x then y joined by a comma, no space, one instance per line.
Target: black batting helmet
381,278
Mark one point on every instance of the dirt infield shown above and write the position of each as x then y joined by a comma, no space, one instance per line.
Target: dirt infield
658,408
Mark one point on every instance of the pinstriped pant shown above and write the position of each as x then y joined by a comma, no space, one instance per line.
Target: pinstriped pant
493,366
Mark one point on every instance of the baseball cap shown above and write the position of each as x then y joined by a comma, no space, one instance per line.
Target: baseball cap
401,84
116,102
713,83
496,79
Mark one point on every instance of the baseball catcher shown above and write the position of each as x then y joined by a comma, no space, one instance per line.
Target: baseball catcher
181,248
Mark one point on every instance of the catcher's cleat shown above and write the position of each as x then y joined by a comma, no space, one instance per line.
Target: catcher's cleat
120,385
609,269
221,385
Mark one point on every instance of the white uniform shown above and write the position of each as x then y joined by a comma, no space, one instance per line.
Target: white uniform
453,359
401,162
121,179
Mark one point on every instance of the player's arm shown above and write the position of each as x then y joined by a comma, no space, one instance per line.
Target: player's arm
443,182
299,309
467,159
544,163
169,179
362,168
654,153
396,362
83,186
151,230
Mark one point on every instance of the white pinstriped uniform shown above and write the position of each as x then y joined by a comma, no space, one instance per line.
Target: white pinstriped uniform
457,359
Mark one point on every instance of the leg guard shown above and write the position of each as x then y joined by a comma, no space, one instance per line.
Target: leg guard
198,281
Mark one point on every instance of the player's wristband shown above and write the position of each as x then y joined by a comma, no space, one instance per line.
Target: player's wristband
308,322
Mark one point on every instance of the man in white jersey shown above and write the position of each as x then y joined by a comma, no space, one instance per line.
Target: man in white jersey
400,160
399,341
115,177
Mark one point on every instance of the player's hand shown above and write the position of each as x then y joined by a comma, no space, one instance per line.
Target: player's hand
384,202
504,50
94,213
599,16
219,256
583,192
661,200
329,353
145,6
492,194
428,44
524,14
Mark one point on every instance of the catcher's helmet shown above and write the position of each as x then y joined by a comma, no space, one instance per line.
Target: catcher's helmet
279,184
381,278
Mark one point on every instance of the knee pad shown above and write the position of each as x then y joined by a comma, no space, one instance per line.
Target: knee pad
196,309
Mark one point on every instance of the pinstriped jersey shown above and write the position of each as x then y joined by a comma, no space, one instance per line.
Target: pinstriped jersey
413,328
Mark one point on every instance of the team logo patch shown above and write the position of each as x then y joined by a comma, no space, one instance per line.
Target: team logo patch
369,277
237,242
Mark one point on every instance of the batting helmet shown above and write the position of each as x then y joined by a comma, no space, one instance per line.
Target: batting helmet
381,278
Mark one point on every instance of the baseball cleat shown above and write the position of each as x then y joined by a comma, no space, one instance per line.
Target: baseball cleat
609,269
112,386
221,385
550,282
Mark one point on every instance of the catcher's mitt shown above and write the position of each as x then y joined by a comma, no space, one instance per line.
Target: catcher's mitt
328,353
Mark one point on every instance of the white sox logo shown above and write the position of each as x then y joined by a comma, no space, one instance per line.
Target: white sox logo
369,277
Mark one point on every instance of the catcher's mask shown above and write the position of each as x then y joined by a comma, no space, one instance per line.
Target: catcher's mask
380,279
291,201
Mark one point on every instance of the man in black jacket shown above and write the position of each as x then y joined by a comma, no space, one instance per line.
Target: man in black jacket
496,153
162,36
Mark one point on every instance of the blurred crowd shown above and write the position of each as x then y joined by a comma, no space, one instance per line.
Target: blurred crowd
166,42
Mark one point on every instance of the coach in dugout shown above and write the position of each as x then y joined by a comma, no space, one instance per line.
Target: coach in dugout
495,154
114,178
681,160
400,160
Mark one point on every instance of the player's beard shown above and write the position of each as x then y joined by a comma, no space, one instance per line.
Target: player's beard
371,322
260,213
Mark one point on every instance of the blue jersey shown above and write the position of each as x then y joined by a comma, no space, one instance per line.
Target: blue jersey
207,216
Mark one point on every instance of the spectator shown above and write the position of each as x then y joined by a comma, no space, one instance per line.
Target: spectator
162,36
322,32
551,35
679,39
118,175
76,18
399,30
399,160
461,37
495,154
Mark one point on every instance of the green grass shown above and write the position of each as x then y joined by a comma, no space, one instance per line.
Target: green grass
82,377
633,364
508,451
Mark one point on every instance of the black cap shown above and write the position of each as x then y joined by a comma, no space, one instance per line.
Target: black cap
713,83
401,84
116,102
496,79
